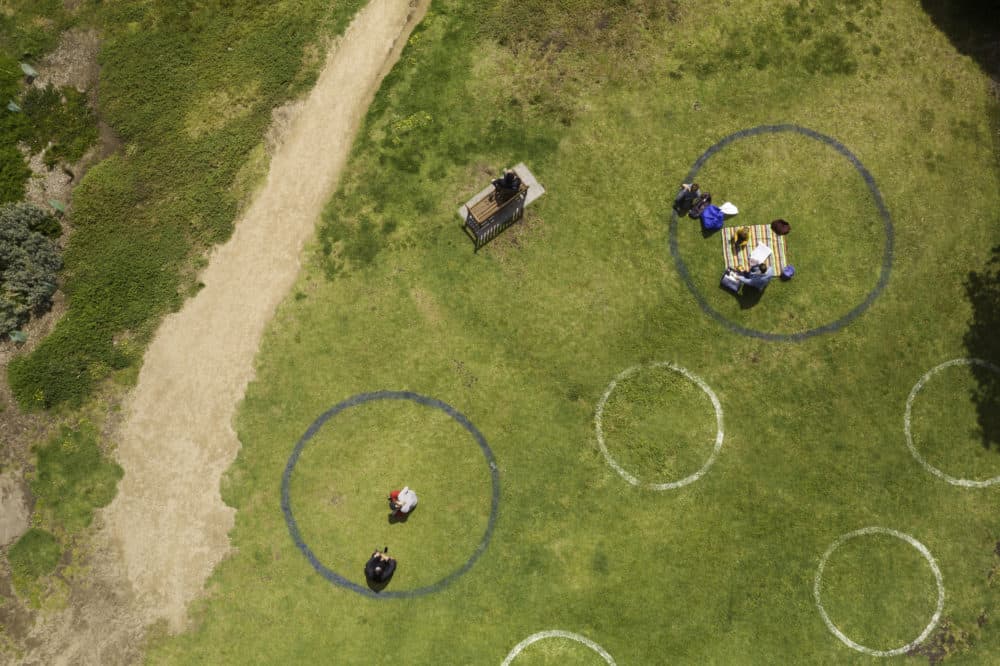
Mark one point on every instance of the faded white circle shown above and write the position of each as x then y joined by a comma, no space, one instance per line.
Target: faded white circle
967,483
598,426
557,633
922,549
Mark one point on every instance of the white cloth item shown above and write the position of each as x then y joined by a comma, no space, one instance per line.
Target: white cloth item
760,254
407,500
729,209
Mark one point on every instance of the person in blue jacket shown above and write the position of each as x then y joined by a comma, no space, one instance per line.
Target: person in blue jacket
758,277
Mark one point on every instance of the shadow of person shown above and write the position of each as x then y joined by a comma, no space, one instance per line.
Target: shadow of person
749,297
377,586
398,518
982,340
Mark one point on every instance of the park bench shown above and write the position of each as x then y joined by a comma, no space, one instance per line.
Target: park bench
496,210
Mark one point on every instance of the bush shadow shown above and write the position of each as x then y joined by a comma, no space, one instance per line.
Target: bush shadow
982,341
971,31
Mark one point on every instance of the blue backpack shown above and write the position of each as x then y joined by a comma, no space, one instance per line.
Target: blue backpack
711,218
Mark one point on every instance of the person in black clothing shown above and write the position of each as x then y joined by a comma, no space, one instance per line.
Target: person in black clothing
687,195
380,567
508,185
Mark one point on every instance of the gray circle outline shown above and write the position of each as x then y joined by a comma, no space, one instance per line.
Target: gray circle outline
334,577
887,255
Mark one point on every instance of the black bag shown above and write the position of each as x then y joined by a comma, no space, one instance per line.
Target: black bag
729,282
699,205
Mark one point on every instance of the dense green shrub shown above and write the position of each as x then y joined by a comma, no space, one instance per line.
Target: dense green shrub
34,555
72,478
29,263
14,172
58,123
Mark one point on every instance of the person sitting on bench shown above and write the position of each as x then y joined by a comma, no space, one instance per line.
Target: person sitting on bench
380,567
758,277
508,185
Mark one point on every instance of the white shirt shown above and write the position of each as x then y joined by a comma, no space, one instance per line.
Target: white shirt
407,499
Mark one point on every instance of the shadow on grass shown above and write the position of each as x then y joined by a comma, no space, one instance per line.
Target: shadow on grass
968,26
749,297
393,518
983,341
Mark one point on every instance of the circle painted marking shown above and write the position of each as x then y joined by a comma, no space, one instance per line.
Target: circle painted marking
337,579
966,483
599,427
558,633
887,254
922,549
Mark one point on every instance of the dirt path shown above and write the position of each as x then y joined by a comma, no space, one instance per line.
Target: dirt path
168,527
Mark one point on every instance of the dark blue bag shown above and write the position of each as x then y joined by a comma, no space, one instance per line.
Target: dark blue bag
711,218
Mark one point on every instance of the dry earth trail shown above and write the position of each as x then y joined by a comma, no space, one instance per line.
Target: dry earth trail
168,527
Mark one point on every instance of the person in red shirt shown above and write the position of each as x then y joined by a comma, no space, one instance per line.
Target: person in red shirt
402,502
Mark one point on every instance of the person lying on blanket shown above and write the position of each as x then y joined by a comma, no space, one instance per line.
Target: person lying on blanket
758,277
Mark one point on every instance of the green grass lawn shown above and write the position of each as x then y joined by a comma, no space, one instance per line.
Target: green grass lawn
610,107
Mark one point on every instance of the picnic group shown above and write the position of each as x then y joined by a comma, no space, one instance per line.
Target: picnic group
754,255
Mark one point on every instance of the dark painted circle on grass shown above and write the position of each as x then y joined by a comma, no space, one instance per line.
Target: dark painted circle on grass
334,577
887,255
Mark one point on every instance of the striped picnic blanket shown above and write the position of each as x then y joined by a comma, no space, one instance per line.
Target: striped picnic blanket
759,233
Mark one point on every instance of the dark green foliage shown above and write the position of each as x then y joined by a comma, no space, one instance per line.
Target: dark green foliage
29,263
72,478
830,54
35,554
14,172
60,116
30,28
820,36
142,217
358,242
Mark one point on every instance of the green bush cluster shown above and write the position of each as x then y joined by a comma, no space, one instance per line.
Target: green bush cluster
170,73
29,263
60,117
34,555
72,478
14,172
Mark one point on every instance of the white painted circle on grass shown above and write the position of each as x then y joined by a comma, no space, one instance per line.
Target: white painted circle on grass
922,549
599,427
967,483
557,633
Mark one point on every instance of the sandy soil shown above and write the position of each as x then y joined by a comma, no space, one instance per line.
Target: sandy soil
168,527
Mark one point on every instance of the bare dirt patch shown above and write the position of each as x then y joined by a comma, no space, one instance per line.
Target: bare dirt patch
14,510
168,527
73,63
